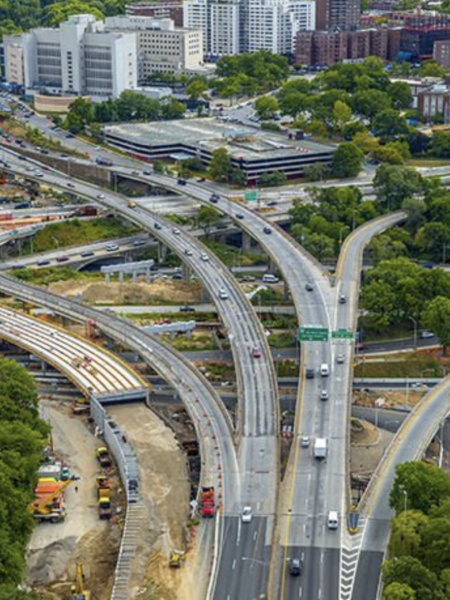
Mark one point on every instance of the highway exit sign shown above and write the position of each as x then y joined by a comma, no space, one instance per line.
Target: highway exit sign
343,334
251,196
313,334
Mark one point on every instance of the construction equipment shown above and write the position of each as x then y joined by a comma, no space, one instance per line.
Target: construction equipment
175,560
77,591
48,506
103,457
104,497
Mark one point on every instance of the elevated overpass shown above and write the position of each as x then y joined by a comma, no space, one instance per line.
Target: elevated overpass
93,370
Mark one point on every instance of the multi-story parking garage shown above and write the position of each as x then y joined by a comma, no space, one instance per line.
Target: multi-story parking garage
253,151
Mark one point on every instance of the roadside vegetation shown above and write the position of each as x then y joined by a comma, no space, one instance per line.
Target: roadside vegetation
78,232
47,275
414,365
418,567
22,439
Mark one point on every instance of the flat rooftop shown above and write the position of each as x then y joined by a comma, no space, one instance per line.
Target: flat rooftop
210,133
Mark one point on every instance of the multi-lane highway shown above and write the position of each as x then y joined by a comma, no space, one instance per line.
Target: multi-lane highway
258,409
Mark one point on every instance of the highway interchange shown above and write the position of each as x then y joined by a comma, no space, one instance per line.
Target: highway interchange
310,490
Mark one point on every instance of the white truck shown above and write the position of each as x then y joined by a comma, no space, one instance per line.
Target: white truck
320,448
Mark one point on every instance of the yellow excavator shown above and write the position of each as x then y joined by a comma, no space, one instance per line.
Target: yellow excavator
78,592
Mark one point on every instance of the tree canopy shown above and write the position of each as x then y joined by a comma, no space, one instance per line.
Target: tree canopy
22,436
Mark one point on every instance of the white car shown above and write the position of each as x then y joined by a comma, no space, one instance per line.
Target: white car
324,394
100,196
247,514
304,441
340,359
112,247
176,231
204,256
223,295
188,252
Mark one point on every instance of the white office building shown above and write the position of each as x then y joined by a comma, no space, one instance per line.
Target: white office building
80,58
161,47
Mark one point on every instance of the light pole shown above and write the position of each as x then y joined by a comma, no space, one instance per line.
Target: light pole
415,331
405,498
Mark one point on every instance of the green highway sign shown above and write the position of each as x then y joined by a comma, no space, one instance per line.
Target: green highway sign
343,334
313,334
251,196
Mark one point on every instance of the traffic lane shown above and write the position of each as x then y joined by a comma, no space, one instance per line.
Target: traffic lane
367,578
244,560
320,574
390,420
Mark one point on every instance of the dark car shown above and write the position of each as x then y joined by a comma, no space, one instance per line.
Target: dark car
310,373
181,181
158,226
187,309
239,216
214,198
62,259
267,230
309,287
87,253
177,276
295,568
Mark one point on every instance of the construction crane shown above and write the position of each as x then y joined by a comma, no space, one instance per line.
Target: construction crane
42,508
78,591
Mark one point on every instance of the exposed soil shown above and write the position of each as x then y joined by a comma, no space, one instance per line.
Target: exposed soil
129,293
388,398
54,548
165,490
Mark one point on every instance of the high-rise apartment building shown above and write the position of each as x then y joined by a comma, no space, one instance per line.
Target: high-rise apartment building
158,9
225,35
161,47
79,57
337,14
196,15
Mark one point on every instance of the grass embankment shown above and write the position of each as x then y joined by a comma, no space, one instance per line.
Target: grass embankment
233,256
414,364
78,232
47,275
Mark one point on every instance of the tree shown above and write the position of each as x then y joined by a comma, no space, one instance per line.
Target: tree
410,572
399,591
293,104
415,211
429,68
432,240
406,534
238,177
266,107
388,125
424,485
440,144
196,89
272,179
220,167
173,109
57,12
370,102
400,94
393,184
347,160
316,172
206,217
437,319
342,113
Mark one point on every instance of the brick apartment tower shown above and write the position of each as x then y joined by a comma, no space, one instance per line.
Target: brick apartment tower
337,14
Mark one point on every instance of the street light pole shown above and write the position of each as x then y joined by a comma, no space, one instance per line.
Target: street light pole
415,331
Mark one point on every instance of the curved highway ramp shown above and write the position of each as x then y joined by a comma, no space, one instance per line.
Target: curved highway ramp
93,370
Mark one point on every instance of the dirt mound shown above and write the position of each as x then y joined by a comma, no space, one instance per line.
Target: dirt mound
50,566
363,433
129,293
102,549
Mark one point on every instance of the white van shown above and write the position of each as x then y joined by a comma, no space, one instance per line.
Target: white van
324,370
269,278
333,520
